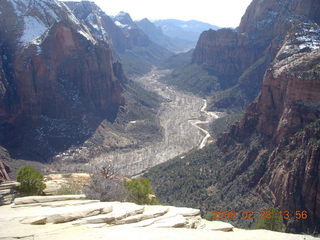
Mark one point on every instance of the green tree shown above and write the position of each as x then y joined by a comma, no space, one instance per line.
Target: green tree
140,191
31,181
208,216
272,220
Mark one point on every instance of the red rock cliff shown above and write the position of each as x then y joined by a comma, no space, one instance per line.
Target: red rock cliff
52,68
285,117
241,56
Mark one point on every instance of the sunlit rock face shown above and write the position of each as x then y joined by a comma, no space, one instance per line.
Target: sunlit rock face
240,56
285,116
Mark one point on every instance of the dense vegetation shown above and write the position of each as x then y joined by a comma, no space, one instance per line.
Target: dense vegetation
31,181
193,78
140,191
140,60
207,179
272,221
223,124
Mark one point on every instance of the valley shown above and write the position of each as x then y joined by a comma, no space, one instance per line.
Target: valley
232,124
183,119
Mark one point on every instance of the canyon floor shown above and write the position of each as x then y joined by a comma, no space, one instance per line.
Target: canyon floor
183,118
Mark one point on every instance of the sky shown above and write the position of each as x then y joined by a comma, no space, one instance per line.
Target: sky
223,13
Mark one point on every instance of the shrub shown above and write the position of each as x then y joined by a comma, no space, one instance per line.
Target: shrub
140,191
105,186
31,181
105,189
208,216
273,223
70,188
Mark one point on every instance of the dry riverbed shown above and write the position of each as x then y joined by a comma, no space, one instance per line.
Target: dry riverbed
183,119
181,116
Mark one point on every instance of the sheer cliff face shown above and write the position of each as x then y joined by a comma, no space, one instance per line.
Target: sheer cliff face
52,67
285,116
226,52
239,56
285,119
290,93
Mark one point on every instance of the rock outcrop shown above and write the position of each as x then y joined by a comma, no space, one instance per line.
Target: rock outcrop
4,170
53,72
285,119
240,57
118,220
271,157
8,192
131,44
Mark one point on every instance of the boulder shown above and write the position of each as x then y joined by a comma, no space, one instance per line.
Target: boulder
8,191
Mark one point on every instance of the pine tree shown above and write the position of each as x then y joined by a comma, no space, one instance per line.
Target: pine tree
271,221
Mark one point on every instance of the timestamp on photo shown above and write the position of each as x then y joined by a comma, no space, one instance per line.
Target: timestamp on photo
248,214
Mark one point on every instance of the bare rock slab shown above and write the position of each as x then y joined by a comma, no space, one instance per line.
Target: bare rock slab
186,212
171,222
119,211
57,204
43,199
68,214
34,220
216,226
149,213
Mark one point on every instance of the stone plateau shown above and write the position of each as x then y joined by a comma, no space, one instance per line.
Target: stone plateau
115,220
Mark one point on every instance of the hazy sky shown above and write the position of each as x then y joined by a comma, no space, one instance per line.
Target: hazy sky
223,13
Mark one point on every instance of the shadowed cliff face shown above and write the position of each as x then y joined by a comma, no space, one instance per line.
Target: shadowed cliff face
227,53
52,69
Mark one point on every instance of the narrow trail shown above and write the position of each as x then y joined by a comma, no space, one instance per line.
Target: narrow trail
179,116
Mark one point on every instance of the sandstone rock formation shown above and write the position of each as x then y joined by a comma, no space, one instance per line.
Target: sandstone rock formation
240,57
285,119
116,220
4,170
53,72
8,192
271,157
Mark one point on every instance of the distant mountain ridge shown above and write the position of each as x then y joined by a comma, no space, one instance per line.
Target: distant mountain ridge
156,34
132,46
184,30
